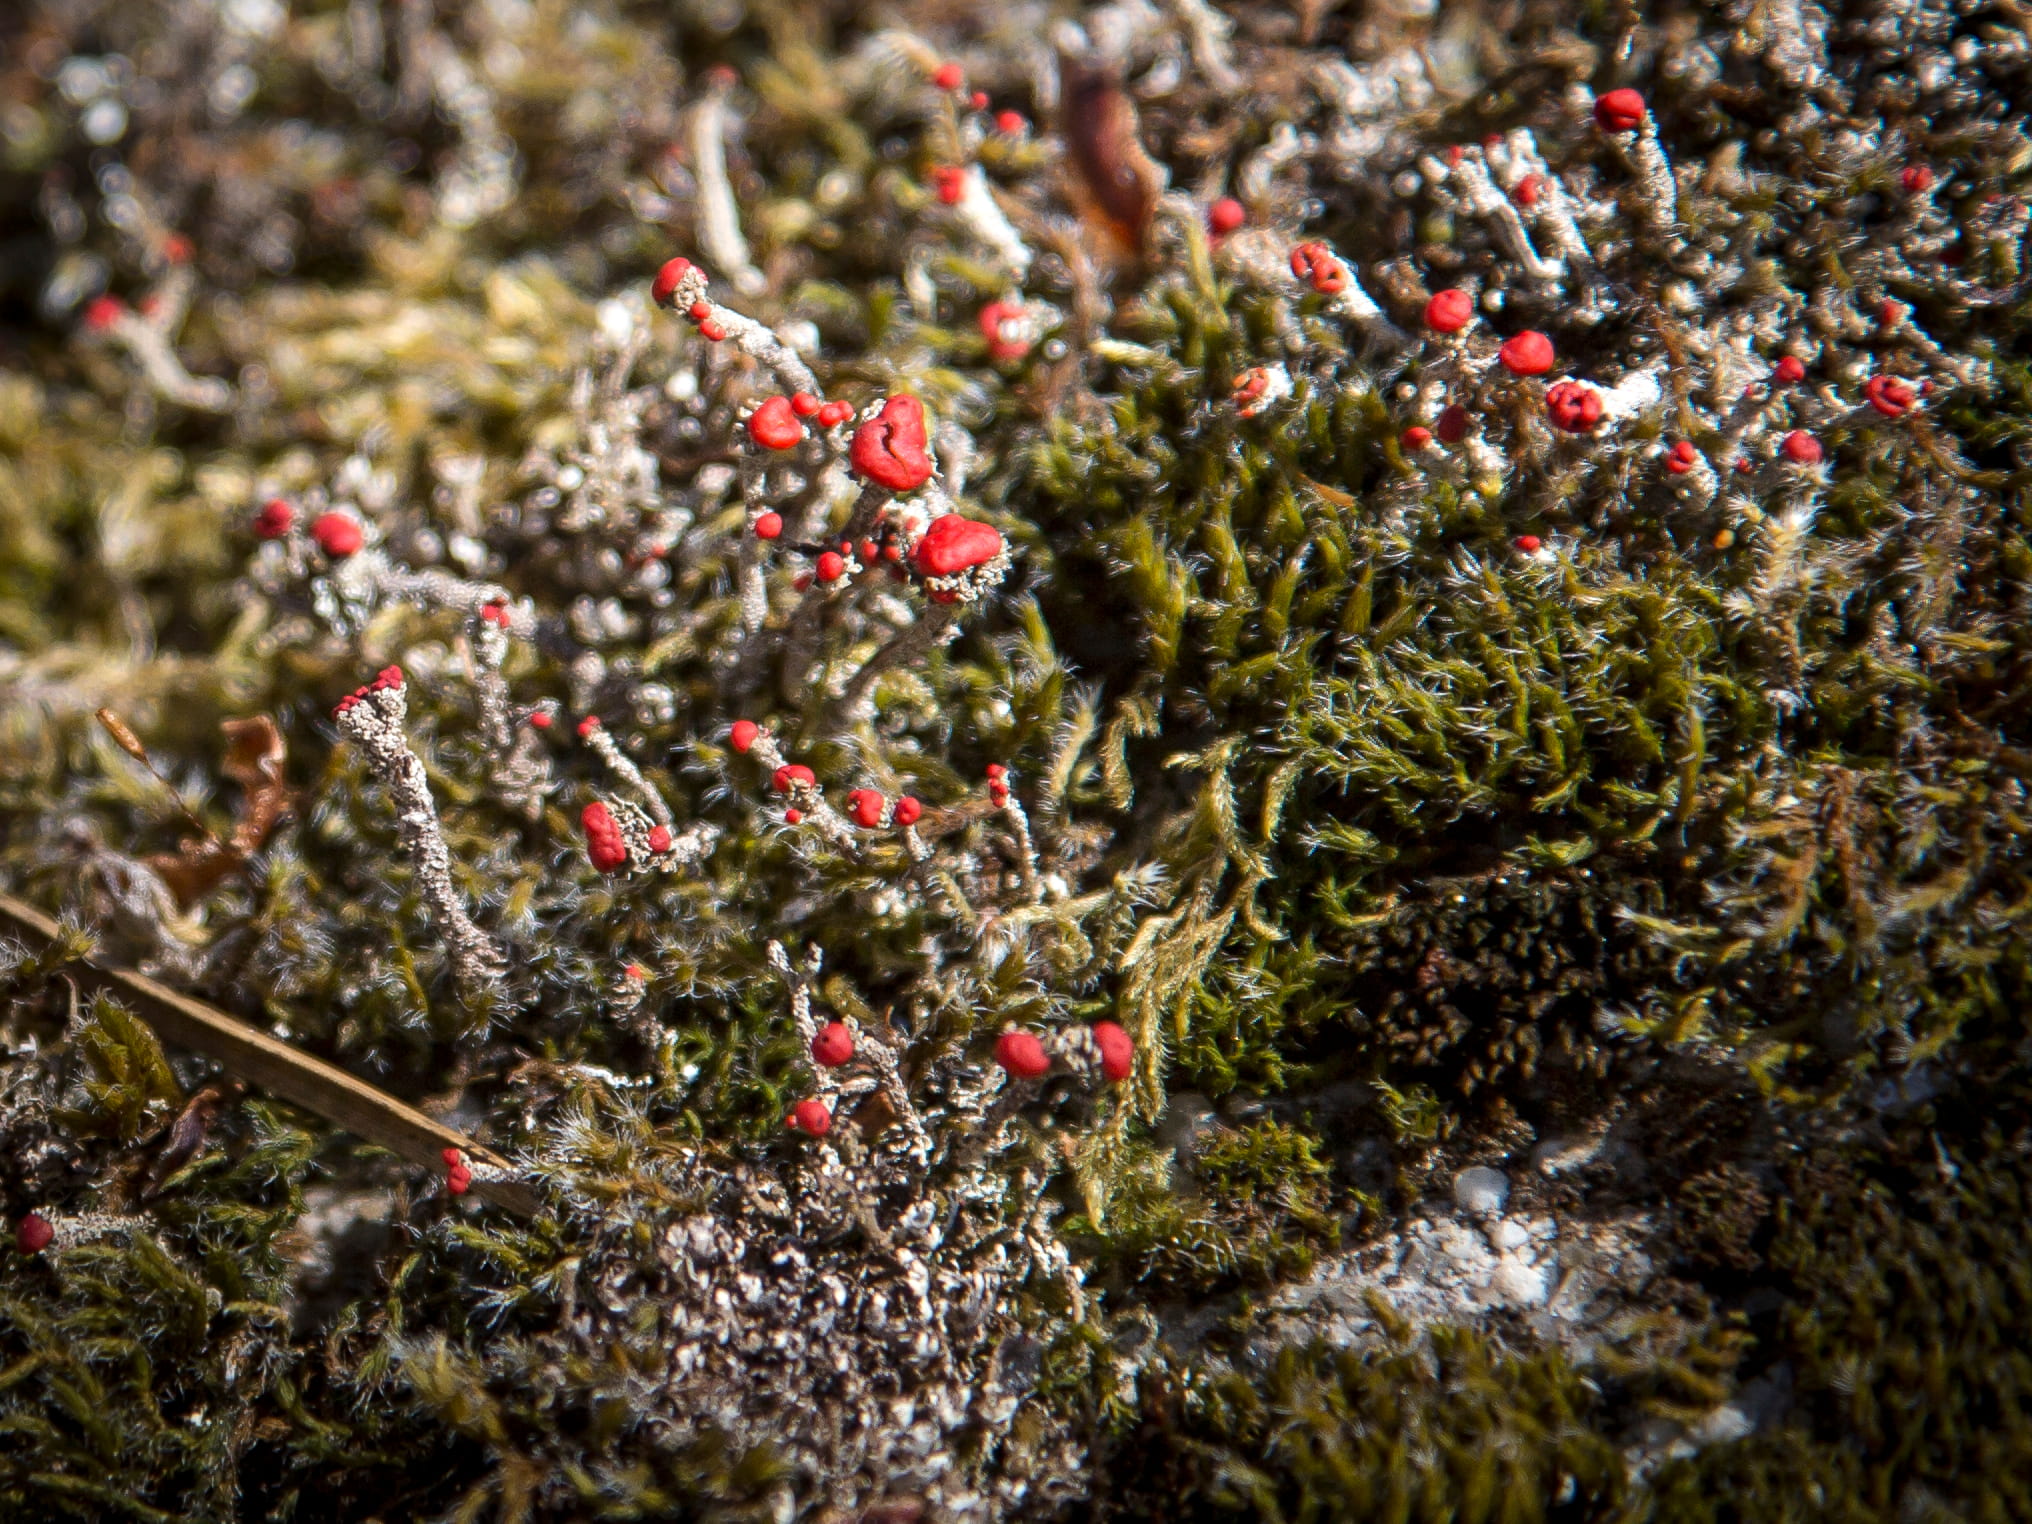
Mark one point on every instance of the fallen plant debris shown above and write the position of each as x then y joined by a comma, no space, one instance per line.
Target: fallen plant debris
1143,761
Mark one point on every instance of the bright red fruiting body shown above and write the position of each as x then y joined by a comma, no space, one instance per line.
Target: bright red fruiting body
1528,190
812,1117
1916,178
274,519
1415,438
793,817
1789,371
1680,458
1801,448
458,1179
102,313
698,312
1455,153
1526,354
1530,544
1452,426
33,1233
177,249
804,404
1001,327
831,566
604,846
952,545
1449,311
774,426
995,772
949,180
949,76
833,1046
889,448
1315,264
1573,406
867,806
664,288
1009,122
742,736
833,413
659,838
1226,215
768,525
338,535
1619,111
1118,1050
908,811
791,774
588,725
540,720
494,614
1022,1055
712,331
1889,395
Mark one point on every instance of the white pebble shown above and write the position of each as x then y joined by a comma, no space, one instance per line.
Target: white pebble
1480,1190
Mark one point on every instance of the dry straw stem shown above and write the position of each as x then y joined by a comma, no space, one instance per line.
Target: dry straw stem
275,1066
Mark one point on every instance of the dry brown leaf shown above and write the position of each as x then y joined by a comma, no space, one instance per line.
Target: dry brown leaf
1115,180
255,753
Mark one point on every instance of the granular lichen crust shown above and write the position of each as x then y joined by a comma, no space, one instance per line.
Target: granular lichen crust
1119,761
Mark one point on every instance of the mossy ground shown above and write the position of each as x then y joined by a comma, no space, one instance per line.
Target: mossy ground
1706,837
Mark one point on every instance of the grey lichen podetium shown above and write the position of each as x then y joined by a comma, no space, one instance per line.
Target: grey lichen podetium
373,719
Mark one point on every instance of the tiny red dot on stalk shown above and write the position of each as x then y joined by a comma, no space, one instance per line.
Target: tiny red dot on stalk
1314,263
1680,458
588,725
948,76
831,566
698,312
867,806
1118,1050
32,1234
1789,371
1225,216
1528,190
458,1179
103,312
743,735
978,100
793,816
1890,395
1455,153
452,1156
540,720
833,1046
949,182
1801,448
790,775
1619,110
1010,122
908,811
663,289
1449,311
1573,406
768,525
711,331
1530,544
1916,178
1021,1055
834,413
1889,312
996,772
811,1116
659,838
774,425
605,847
274,519
1526,354
804,404
338,535
1415,438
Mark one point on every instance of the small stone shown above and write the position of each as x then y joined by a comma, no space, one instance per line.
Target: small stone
1480,1191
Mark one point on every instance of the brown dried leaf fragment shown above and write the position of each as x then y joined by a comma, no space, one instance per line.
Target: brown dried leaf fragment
255,753
1115,181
